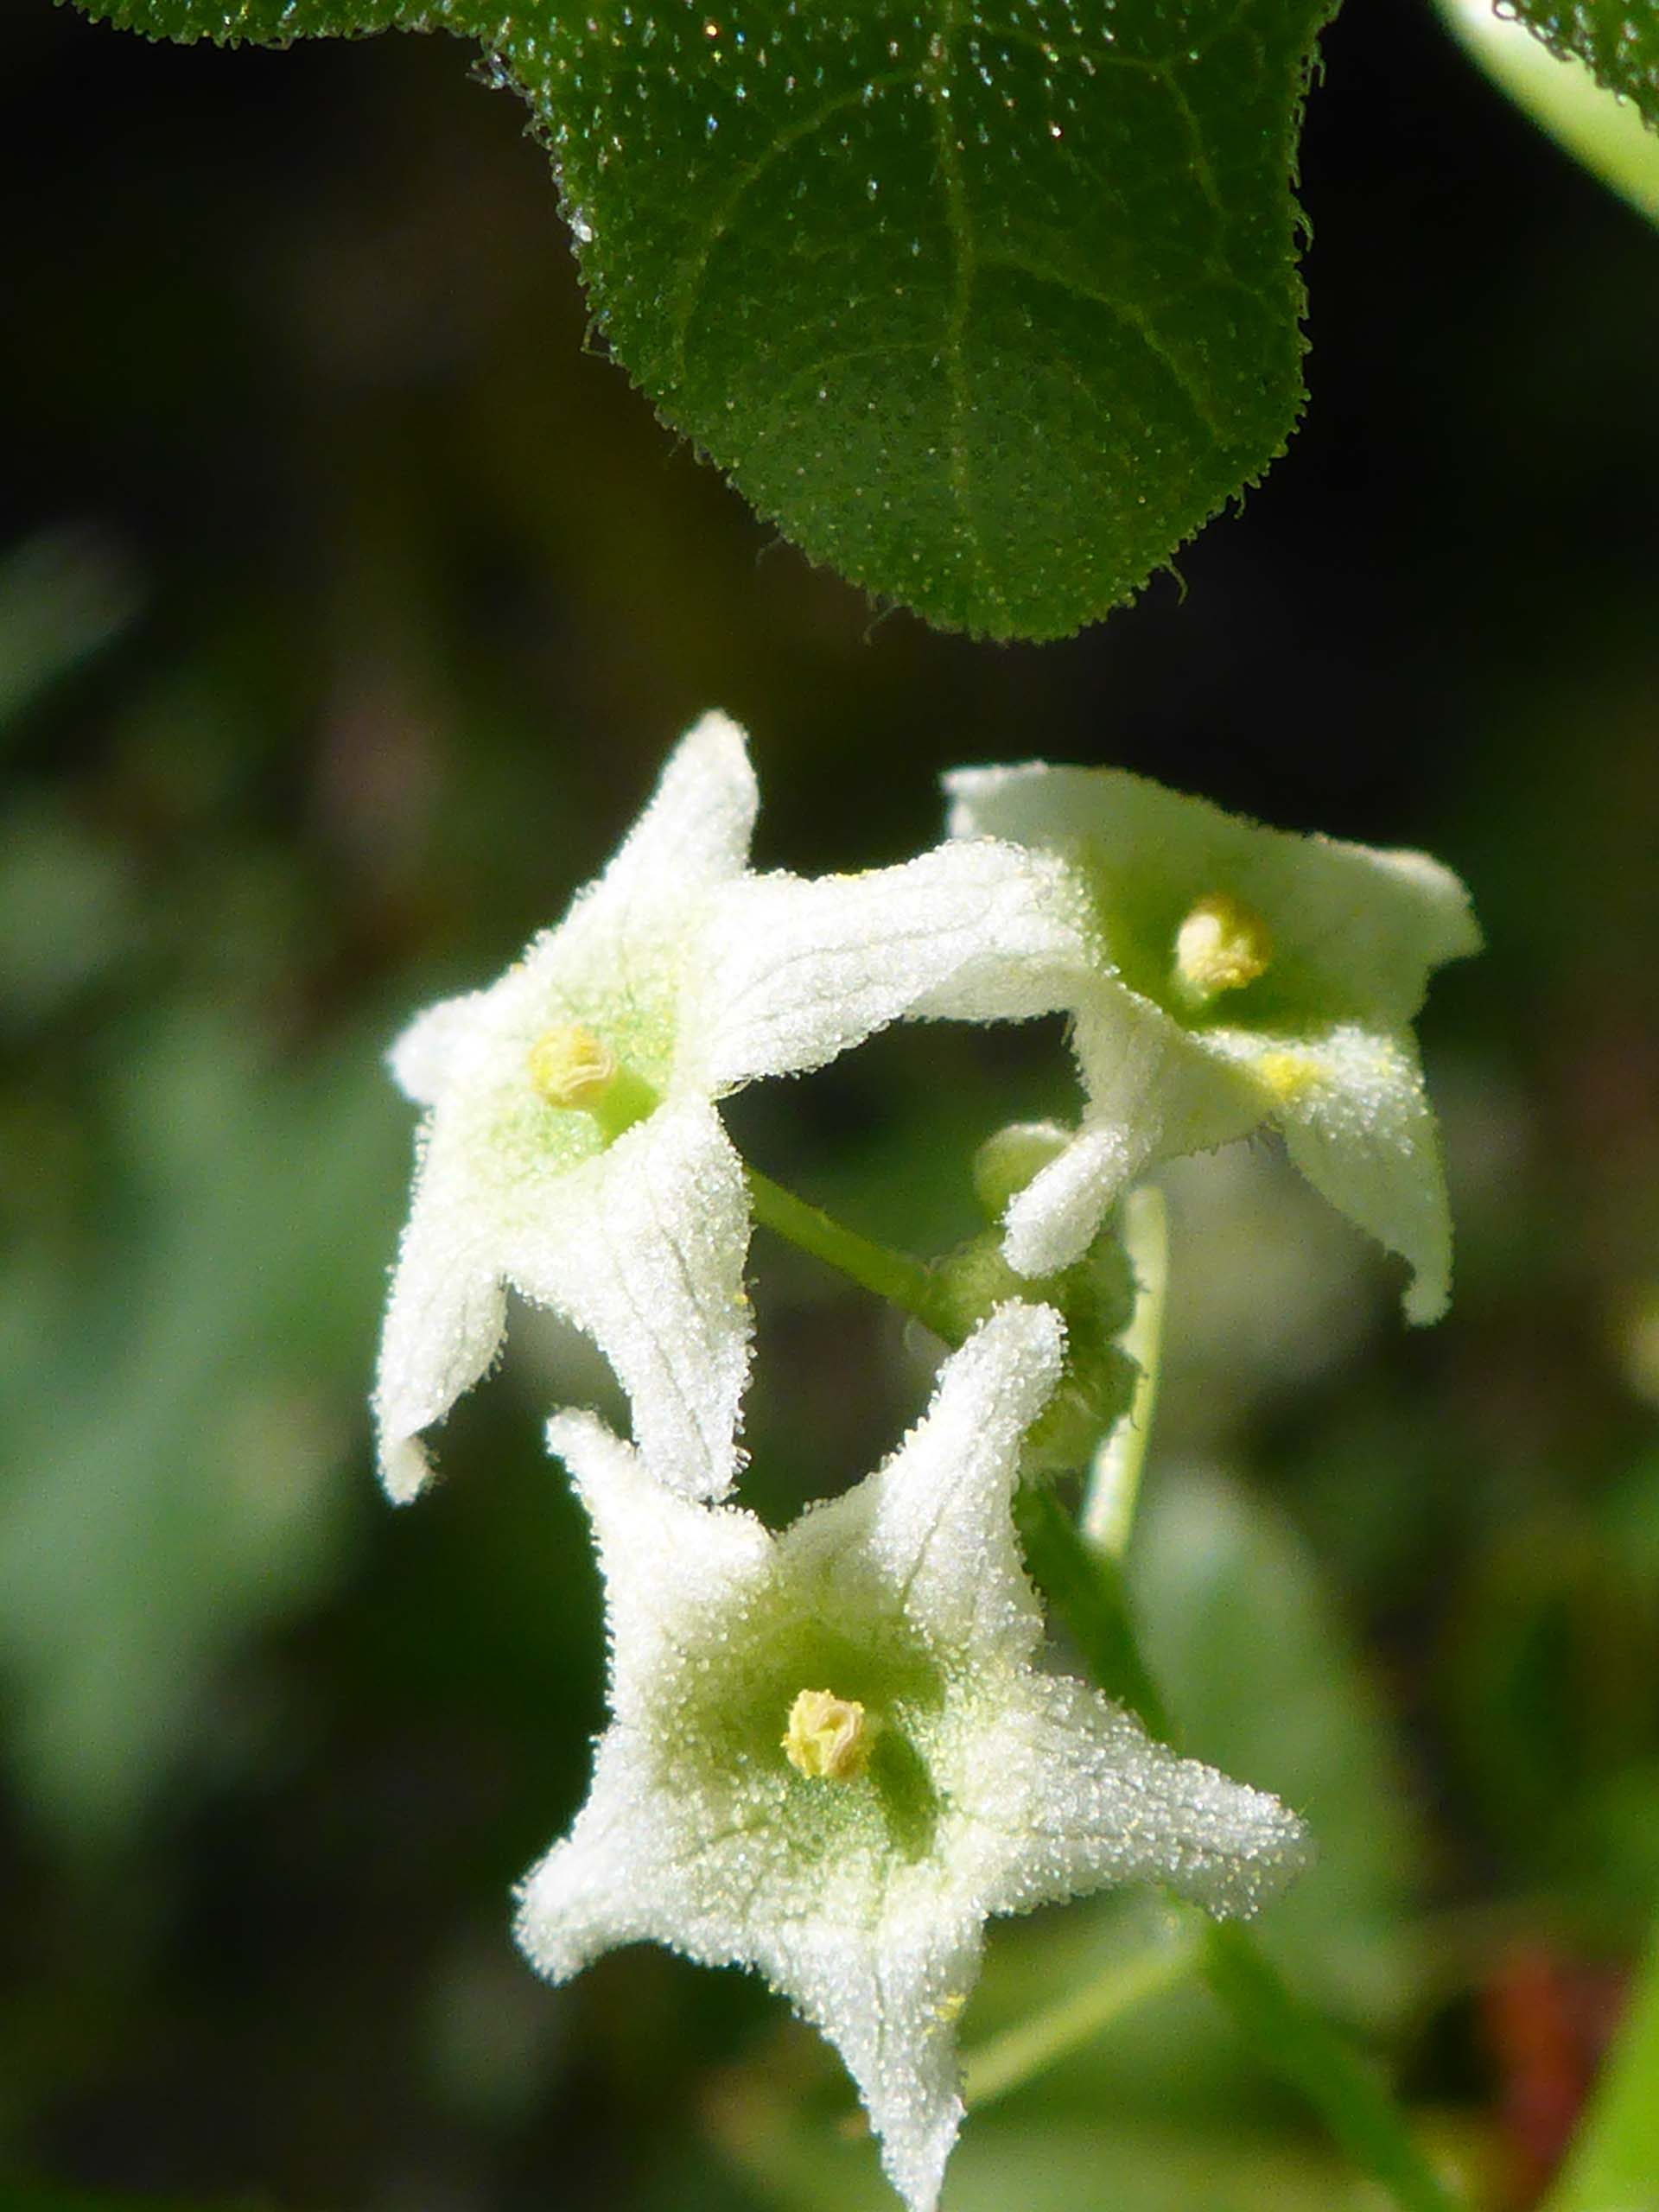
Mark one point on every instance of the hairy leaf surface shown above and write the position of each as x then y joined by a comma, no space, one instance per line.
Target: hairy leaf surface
990,308
1620,39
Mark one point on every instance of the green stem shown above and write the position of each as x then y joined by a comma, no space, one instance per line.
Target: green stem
1292,2038
1085,1587
1613,2165
1114,1484
1034,2044
904,1281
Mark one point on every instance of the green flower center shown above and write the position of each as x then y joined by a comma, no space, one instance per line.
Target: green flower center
831,1772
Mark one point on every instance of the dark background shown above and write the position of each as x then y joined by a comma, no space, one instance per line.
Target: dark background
347,607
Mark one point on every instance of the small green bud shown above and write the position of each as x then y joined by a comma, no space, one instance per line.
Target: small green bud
1006,1162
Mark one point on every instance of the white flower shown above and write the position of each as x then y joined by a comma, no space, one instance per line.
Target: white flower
571,1146
831,1756
1241,974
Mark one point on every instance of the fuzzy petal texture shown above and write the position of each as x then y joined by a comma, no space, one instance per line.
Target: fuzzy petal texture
693,837
444,1323
1151,1092
985,1785
1315,1039
1356,928
1357,1123
643,1247
889,2005
569,1148
798,971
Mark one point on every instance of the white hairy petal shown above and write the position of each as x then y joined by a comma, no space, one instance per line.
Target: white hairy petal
643,1245
799,970
888,2000
986,1786
934,1521
424,1059
1357,1123
1242,974
665,1561
1152,1090
693,836
444,1323
1106,1804
1363,922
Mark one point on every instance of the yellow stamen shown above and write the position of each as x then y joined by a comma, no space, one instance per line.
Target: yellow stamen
1221,945
569,1066
829,1738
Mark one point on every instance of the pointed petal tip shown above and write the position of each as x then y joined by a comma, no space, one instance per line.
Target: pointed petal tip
1259,1847
1426,1298
538,1927
1025,1335
1283,1852
915,2169
717,747
577,1437
405,1468
715,727
1051,1224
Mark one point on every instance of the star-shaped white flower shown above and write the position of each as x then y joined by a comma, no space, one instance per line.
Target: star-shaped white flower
831,1755
571,1147
1241,974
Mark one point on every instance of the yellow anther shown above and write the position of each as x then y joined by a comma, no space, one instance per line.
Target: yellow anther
569,1066
1221,945
1286,1074
829,1738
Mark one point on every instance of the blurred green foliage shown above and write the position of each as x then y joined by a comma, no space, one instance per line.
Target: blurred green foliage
348,609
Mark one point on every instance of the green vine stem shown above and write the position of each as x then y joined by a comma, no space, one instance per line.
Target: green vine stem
1085,1587
1114,1483
902,1280
1614,2164
1296,2042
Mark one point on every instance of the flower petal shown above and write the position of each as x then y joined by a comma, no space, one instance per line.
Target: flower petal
1357,1123
1152,1090
801,970
933,1524
643,1247
669,1565
1355,930
1052,1222
888,1999
424,1057
444,1323
585,1897
1094,1800
693,834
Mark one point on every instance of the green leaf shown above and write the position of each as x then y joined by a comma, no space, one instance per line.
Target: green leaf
990,308
1615,2160
178,1425
1620,39
276,23
1242,1638
1606,133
